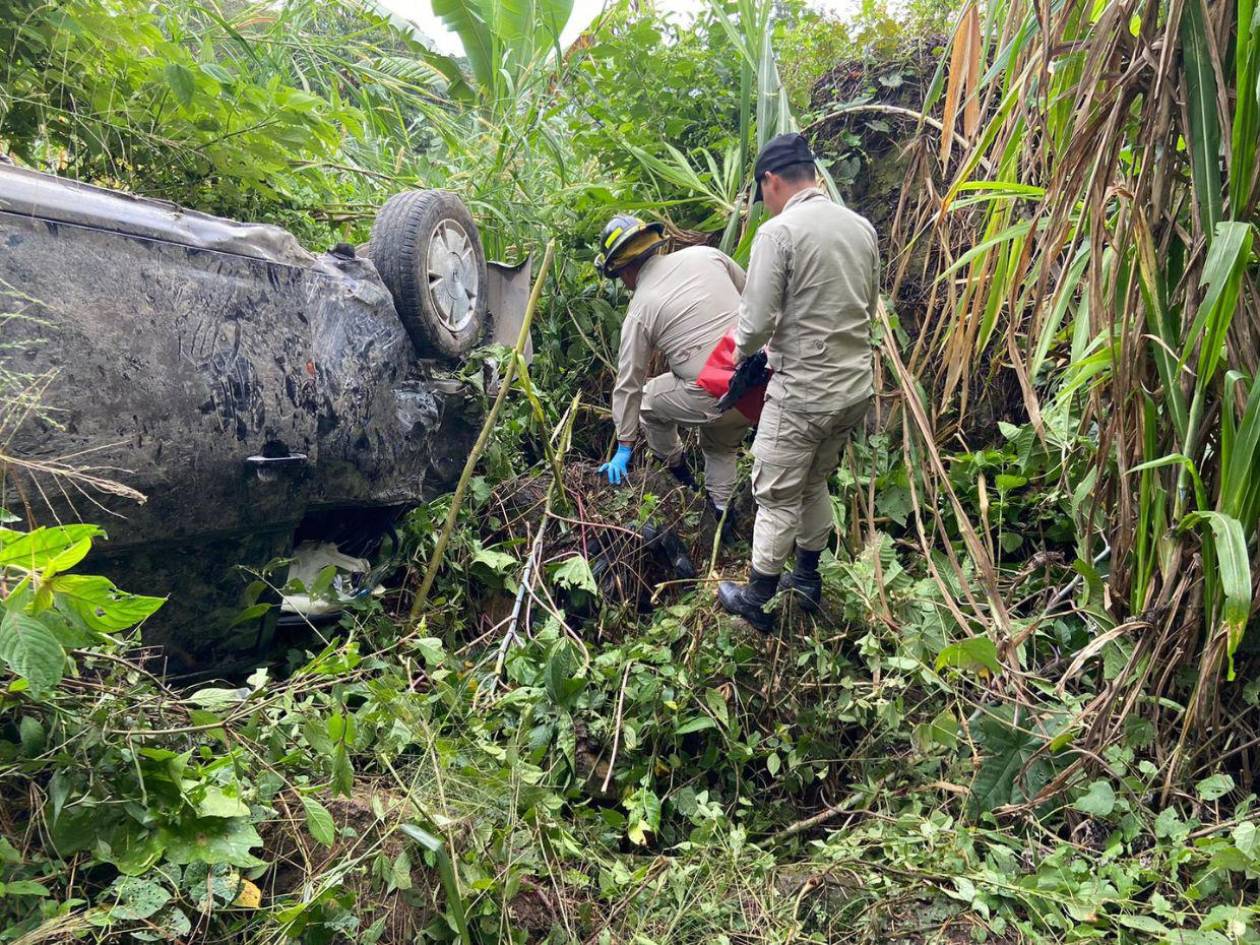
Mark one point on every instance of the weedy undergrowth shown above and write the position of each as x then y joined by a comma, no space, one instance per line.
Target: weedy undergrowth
682,781
1014,720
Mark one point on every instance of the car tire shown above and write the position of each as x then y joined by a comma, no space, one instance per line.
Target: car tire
427,250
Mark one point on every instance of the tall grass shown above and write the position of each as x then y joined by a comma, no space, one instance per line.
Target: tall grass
1096,238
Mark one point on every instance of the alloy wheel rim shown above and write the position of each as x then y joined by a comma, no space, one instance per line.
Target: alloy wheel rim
452,278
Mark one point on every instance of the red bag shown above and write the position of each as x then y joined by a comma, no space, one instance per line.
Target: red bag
715,378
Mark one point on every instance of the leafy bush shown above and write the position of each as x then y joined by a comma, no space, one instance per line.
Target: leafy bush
390,786
990,732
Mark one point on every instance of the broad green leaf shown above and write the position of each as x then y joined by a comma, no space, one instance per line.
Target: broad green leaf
449,68
1008,748
173,923
717,705
99,604
134,849
1247,839
317,736
182,82
977,654
943,729
31,651
400,872
218,802
467,20
644,815
1196,937
32,736
343,771
498,562
212,886
218,700
1098,801
964,890
1093,592
250,613
76,828
217,72
23,887
211,841
431,649
1006,482
1214,787
138,899
558,674
423,837
1142,923
34,551
1170,825
574,573
69,558
696,723
319,821
564,741
70,631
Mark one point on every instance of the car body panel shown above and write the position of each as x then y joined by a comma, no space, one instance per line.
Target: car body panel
169,348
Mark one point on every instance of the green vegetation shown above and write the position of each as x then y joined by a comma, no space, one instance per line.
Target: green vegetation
1029,711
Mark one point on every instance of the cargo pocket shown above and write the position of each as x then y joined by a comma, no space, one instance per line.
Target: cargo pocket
765,443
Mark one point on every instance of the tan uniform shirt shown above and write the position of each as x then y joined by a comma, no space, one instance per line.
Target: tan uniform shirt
813,283
684,302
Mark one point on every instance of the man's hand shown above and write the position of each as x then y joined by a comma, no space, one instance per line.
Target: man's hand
617,467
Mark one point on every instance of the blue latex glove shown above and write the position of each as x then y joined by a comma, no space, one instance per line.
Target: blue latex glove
617,466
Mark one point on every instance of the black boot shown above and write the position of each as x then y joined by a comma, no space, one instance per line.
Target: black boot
682,472
805,580
747,600
728,523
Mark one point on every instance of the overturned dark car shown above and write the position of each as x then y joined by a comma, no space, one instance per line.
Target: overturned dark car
265,402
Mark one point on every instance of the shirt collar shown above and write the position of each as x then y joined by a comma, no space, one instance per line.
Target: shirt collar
809,193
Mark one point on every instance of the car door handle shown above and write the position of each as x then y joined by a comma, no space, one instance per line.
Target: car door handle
276,462
268,468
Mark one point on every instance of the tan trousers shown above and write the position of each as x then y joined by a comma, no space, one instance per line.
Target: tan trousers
794,457
670,402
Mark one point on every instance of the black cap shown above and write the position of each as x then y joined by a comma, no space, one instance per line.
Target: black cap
780,152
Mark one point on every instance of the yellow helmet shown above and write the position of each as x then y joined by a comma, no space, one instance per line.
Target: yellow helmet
626,239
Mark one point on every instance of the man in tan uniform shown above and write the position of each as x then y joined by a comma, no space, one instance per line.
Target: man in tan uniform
811,292
683,303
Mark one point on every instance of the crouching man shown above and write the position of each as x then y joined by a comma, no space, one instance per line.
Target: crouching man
684,305
812,288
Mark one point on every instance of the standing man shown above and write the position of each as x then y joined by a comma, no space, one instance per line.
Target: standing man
683,304
811,292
